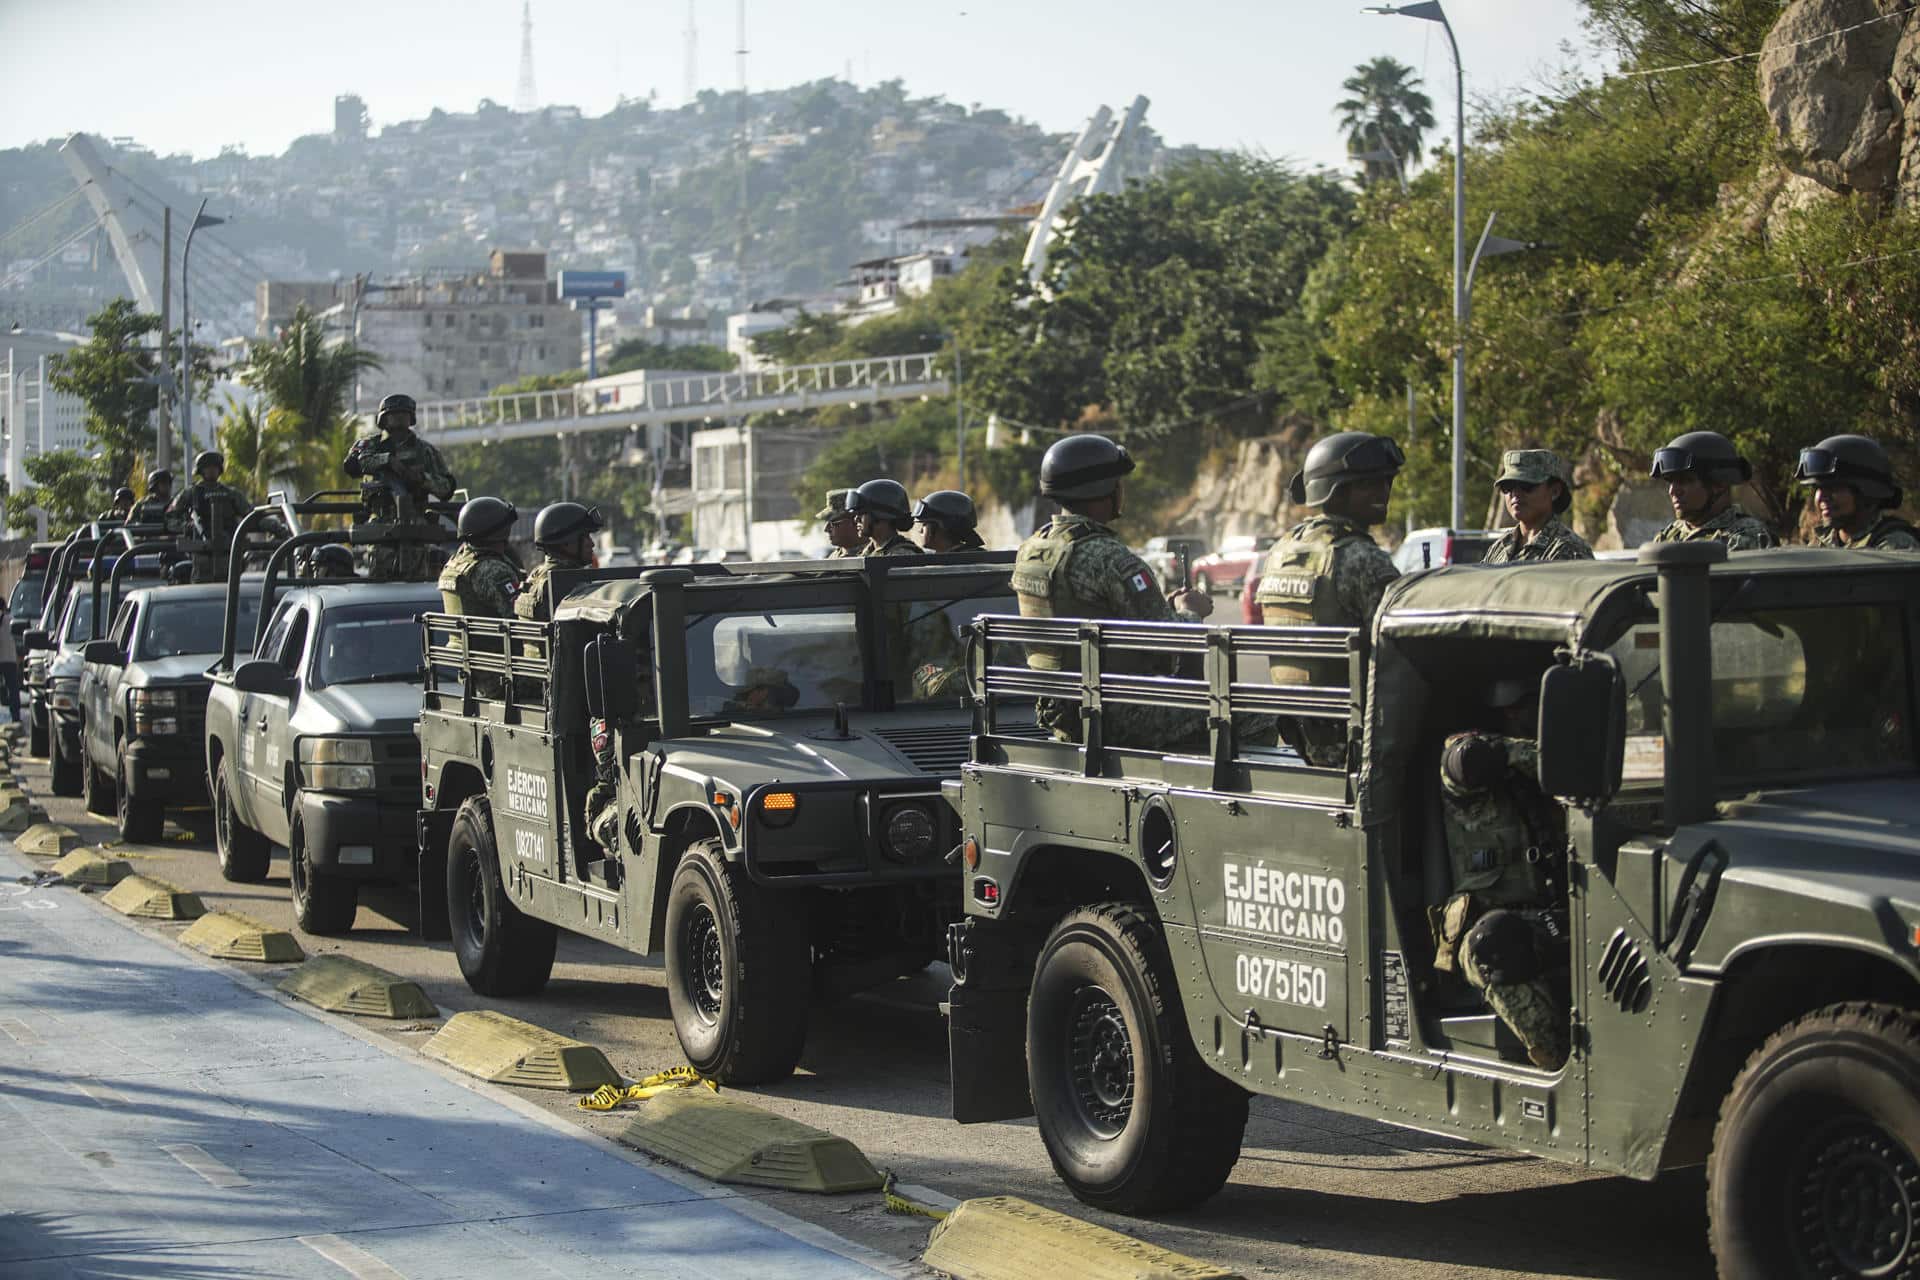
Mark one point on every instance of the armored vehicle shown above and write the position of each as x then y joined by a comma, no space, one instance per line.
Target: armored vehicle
1731,748
738,765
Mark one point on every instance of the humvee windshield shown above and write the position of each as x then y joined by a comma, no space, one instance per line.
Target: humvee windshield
1795,691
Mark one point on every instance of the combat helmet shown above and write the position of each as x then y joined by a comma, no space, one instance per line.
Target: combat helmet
1083,466
123,494
560,524
158,476
1856,461
395,403
1342,457
209,457
332,560
885,499
1707,454
951,509
483,519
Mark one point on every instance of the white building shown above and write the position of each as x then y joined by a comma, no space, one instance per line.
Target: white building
744,325
743,491
36,418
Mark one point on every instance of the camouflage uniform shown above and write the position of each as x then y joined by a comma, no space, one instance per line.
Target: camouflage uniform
1555,541
1886,532
414,472
835,509
898,545
208,512
150,510
479,582
1740,531
530,603
1075,567
1496,838
1327,572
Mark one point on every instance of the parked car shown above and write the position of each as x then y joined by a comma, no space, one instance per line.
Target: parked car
1227,568
29,594
1163,557
60,689
1432,548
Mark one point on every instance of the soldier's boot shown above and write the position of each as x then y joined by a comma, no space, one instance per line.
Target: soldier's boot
1533,1014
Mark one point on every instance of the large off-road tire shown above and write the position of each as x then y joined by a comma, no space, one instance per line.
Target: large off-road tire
322,904
64,772
1815,1169
96,792
738,970
37,734
140,820
502,951
1134,1121
244,853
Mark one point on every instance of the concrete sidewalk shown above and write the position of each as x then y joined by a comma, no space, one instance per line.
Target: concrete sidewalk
160,1118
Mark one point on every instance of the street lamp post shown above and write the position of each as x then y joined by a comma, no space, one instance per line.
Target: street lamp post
200,219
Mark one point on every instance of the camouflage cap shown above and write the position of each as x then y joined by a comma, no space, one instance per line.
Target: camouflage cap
836,505
1537,466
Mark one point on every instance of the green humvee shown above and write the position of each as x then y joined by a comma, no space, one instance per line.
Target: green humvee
736,765
1151,937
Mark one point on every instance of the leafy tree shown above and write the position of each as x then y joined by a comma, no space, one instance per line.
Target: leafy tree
304,375
113,375
259,447
1385,110
69,486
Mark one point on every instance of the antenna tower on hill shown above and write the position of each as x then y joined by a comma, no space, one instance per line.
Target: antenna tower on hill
692,34
524,97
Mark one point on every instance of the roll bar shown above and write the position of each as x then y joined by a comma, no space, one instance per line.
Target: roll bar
121,561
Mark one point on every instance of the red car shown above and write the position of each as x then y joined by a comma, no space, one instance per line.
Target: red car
1227,569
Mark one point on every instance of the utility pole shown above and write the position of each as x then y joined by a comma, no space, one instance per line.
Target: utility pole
200,219
740,56
959,419
163,439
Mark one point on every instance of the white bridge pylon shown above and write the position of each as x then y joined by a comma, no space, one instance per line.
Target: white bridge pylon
632,401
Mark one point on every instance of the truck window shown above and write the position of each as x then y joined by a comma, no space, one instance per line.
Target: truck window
175,627
928,644
276,630
79,618
763,663
365,643
25,601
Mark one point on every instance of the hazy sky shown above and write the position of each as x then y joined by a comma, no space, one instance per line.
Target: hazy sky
195,75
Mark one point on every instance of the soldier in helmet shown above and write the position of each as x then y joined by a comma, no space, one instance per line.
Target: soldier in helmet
1701,468
208,513
947,520
331,561
152,509
1328,571
480,577
399,473
1855,490
564,534
122,507
840,525
881,509
1537,487
1075,566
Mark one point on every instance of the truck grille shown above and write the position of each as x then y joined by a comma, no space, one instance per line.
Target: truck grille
397,765
1624,973
936,749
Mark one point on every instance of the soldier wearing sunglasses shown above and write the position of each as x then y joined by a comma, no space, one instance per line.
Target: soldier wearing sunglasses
1855,491
1701,468
1537,487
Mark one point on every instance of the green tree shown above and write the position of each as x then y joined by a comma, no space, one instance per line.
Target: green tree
69,486
1385,110
308,385
260,448
634,354
113,374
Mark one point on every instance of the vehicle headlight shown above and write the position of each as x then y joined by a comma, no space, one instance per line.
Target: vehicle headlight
909,831
63,694
337,764
155,699
154,711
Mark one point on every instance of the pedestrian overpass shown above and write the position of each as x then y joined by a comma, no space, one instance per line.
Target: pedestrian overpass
636,400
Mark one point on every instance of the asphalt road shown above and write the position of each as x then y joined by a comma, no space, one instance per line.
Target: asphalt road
1315,1193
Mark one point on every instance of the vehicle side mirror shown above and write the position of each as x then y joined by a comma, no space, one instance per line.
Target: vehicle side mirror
36,640
1582,729
263,675
105,652
612,676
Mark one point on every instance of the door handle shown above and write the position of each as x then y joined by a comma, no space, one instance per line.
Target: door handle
262,724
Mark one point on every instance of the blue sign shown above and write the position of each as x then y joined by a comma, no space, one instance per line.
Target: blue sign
593,284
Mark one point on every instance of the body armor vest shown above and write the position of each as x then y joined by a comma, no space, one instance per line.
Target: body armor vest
1297,590
1041,584
454,584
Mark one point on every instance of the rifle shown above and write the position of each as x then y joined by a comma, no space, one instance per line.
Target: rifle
1185,558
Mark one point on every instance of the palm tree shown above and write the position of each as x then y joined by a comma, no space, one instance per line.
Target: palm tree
259,446
1385,112
308,385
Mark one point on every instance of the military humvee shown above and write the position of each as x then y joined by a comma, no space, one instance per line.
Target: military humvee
1151,937
735,764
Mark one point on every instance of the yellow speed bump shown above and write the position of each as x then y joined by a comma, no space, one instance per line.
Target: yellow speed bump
46,839
506,1050
91,866
722,1138
341,984
153,900
1005,1238
228,936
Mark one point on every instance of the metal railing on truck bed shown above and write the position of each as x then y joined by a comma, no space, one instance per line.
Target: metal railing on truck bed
473,660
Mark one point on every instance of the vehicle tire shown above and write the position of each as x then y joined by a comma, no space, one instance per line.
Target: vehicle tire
1815,1170
739,967
245,854
64,773
140,821
322,904
1134,1121
36,734
502,951
1203,584
96,793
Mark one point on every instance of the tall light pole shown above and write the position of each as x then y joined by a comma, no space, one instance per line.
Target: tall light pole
1430,11
200,219
1399,171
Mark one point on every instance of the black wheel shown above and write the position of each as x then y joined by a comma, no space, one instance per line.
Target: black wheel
1133,1119
95,791
1815,1171
322,904
140,820
245,854
36,733
502,951
64,774
738,971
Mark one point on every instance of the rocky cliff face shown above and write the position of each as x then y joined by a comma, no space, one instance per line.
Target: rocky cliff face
1249,493
1841,82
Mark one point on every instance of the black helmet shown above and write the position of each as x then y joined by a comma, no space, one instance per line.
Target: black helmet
886,499
123,494
395,404
1083,466
561,523
482,519
1347,455
951,509
209,456
1856,461
1707,454
159,476
332,561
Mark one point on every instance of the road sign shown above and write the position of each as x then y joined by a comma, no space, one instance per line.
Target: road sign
593,284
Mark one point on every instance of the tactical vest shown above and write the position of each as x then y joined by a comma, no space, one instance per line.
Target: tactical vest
454,585
1040,585
1297,590
530,604
1884,528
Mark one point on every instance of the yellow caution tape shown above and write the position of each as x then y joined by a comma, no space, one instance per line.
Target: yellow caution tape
897,1203
609,1096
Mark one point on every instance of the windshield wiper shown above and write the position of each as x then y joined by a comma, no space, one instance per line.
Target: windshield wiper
383,677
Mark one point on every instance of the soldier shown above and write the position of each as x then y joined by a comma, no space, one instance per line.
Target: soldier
840,525
564,534
1500,929
1077,567
331,561
1853,486
1328,571
1701,468
880,509
122,508
1537,486
208,513
948,520
152,509
398,473
480,578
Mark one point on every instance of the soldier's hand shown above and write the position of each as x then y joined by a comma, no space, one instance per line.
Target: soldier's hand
1197,603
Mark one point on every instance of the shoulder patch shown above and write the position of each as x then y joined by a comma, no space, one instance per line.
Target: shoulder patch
1139,582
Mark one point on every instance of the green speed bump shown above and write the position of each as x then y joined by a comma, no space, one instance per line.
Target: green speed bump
17,813
227,936
91,866
722,1138
47,839
153,899
341,984
1006,1238
506,1050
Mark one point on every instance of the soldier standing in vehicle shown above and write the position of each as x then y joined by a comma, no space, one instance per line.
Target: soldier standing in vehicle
1537,487
152,509
1075,566
881,510
840,525
1328,571
399,473
1855,490
480,577
122,508
1500,929
1701,468
331,560
563,532
948,522
208,512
